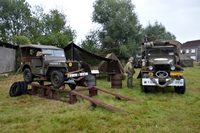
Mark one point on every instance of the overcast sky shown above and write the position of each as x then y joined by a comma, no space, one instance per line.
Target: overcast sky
180,17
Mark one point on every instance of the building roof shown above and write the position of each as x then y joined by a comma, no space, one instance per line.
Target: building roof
39,46
194,43
8,45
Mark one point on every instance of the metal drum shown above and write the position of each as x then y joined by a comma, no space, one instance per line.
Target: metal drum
90,80
116,81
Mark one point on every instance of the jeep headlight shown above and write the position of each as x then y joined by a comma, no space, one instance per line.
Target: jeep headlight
172,68
150,68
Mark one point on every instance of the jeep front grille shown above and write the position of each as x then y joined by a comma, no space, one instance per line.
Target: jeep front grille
162,68
162,71
72,66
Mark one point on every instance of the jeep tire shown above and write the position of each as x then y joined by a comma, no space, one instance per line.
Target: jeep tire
180,89
57,79
15,89
144,89
28,76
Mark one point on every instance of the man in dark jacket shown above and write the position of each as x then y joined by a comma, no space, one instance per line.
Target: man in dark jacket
129,68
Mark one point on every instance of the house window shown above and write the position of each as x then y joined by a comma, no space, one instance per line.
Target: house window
193,51
187,51
193,57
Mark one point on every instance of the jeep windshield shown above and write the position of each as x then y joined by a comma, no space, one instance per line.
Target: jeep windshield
160,51
52,52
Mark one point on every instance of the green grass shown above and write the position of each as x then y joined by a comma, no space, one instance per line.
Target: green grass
160,110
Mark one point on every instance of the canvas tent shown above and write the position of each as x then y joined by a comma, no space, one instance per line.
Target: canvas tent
186,61
103,64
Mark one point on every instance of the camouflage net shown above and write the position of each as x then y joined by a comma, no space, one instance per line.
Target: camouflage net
173,42
176,43
91,61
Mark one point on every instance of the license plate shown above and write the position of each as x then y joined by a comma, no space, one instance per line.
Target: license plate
177,83
148,82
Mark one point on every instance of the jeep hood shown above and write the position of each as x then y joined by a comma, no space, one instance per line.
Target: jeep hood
59,61
161,60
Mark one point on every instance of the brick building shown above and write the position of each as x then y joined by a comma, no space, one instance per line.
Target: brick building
191,49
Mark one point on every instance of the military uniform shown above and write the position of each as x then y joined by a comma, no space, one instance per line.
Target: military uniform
129,68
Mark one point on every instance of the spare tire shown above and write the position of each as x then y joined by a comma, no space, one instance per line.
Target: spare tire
15,89
24,87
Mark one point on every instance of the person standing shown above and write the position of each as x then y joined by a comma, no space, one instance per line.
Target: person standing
129,68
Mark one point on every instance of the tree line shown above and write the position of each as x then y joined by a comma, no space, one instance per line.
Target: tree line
119,31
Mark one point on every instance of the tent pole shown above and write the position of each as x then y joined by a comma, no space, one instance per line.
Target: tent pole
72,51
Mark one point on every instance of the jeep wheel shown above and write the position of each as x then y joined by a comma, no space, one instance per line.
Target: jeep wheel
177,89
144,89
180,89
57,79
28,76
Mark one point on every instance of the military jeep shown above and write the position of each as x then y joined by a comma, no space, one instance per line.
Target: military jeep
161,66
49,63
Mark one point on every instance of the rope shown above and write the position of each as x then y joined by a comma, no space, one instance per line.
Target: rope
16,73
178,66
162,86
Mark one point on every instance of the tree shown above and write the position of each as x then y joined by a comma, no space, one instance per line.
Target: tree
158,31
50,28
13,18
54,22
91,43
35,24
18,40
55,30
120,32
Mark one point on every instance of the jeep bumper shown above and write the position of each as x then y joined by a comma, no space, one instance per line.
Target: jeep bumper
77,74
149,82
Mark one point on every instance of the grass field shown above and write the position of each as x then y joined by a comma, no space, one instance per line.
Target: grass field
160,110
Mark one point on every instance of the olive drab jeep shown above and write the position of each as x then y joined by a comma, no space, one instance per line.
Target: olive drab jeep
161,66
50,63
